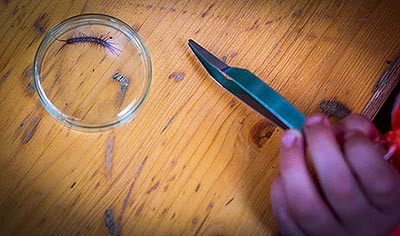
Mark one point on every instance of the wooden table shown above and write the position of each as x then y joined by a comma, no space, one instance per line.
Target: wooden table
194,161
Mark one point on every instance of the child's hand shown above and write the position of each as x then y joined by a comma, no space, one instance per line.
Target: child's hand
358,193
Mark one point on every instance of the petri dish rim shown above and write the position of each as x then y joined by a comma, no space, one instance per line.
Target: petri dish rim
83,19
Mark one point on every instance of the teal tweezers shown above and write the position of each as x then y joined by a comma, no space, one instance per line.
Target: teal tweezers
251,90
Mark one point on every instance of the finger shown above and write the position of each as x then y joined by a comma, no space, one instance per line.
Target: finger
336,178
286,225
378,178
303,200
361,124
357,123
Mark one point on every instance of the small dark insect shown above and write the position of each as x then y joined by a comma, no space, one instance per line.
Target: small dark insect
124,81
101,41
335,109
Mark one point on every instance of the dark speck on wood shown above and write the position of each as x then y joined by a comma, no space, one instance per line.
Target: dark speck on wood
177,75
4,77
207,11
168,123
166,188
111,225
311,37
140,168
39,27
225,58
255,25
27,74
126,200
229,202
31,129
297,13
195,221
165,210
269,22
173,163
172,178
154,187
201,225
39,23
109,154
338,3
210,205
73,185
335,109
30,88
140,209
197,188
15,10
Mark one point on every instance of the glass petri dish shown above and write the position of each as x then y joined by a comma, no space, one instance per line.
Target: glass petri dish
92,72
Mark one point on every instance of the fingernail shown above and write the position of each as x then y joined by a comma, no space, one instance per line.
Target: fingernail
290,137
316,119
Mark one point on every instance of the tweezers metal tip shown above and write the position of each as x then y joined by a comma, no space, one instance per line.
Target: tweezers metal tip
192,44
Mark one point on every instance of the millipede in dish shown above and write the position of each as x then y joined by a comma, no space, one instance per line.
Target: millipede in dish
102,41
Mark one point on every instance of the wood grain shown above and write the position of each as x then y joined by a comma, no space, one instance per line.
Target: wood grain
194,161
383,88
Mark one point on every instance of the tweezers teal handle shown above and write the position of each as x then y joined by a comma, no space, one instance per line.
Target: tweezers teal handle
267,97
250,89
